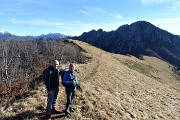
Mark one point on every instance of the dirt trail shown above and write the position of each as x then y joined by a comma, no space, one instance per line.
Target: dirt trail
115,87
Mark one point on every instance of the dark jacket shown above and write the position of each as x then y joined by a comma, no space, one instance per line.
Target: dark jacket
52,78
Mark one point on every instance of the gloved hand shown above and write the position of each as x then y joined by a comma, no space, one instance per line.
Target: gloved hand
79,87
74,82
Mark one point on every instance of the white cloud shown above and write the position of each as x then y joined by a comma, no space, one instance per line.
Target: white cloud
77,29
152,2
175,5
90,10
34,2
93,11
49,29
117,16
17,3
35,22
171,25
84,12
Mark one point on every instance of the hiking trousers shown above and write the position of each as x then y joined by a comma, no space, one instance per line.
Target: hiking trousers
70,95
51,101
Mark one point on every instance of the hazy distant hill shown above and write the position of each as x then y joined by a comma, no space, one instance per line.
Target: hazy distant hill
7,35
52,35
137,38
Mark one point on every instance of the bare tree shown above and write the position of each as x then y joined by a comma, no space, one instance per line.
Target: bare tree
22,62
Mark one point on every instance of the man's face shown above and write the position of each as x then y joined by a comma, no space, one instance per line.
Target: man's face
56,64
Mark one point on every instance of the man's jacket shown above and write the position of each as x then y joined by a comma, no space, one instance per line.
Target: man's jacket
52,78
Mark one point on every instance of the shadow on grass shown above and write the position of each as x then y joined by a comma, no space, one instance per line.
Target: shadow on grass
30,115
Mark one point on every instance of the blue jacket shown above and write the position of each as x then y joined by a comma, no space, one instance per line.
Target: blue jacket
69,76
52,78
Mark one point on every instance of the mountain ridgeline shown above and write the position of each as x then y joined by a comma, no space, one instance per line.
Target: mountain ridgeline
9,36
139,38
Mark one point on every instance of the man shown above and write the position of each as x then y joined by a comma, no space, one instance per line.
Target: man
70,82
52,86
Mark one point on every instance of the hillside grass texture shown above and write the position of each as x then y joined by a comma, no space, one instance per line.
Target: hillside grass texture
115,87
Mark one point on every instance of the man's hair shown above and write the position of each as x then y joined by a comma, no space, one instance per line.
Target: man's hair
55,62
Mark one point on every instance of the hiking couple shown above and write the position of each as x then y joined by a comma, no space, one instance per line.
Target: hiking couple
52,85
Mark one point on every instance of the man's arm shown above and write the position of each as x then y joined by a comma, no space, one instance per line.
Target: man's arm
47,80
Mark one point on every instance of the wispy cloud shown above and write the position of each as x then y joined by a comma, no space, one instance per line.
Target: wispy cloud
79,28
152,2
48,29
93,11
22,5
117,16
175,5
90,10
8,8
168,21
35,22
18,3
169,24
84,12
34,2
45,3
11,5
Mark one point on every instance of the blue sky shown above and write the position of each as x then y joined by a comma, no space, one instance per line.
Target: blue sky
73,17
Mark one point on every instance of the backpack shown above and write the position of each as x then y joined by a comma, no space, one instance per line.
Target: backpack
62,75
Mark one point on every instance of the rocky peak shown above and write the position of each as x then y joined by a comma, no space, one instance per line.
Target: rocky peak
137,38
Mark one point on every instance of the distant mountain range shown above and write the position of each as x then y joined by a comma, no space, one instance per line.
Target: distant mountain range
6,35
139,38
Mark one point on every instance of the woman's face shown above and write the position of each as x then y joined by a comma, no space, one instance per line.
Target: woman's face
71,67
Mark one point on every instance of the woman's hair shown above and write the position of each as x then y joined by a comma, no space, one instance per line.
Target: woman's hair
71,65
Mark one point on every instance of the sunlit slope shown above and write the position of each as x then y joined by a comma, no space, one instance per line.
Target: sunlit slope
115,87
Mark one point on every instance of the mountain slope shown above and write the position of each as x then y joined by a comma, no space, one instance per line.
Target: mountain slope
137,38
114,87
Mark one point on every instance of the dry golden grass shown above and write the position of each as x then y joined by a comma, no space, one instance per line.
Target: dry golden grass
114,87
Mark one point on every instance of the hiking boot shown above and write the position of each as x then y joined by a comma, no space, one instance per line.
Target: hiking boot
48,117
72,110
55,111
67,113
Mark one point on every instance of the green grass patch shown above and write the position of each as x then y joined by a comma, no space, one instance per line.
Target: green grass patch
143,69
